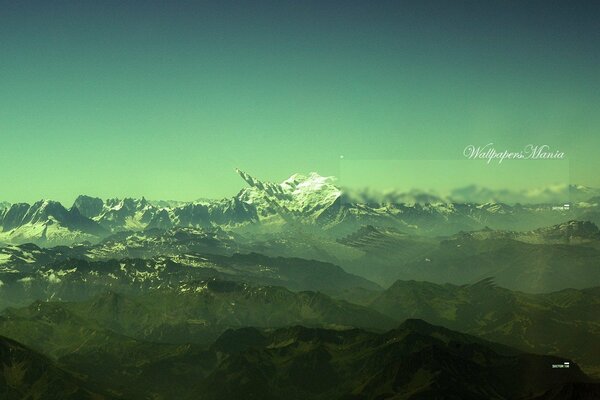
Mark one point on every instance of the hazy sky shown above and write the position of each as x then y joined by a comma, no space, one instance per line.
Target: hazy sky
166,98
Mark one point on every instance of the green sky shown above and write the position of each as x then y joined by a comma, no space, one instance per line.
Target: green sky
165,99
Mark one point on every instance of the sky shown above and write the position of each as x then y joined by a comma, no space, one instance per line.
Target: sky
164,99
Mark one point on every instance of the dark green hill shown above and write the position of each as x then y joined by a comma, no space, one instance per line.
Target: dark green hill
565,322
414,361
27,375
573,391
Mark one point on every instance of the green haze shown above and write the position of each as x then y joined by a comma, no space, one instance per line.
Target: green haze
166,99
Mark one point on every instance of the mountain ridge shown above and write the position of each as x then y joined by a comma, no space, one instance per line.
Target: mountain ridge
310,203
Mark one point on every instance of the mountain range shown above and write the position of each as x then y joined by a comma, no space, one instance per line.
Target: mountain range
561,256
29,273
309,202
546,259
198,311
300,290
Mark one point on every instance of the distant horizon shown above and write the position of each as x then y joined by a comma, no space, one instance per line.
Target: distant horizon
68,202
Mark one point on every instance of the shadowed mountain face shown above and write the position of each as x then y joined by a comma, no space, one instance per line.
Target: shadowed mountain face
579,390
513,264
31,273
415,360
26,374
193,313
570,232
47,223
547,259
296,363
565,322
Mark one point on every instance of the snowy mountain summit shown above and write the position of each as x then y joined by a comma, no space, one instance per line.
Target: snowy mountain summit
306,195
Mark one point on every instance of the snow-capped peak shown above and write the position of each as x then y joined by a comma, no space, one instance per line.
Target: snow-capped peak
299,193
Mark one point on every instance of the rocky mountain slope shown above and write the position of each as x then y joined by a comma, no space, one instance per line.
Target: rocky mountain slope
46,223
30,274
